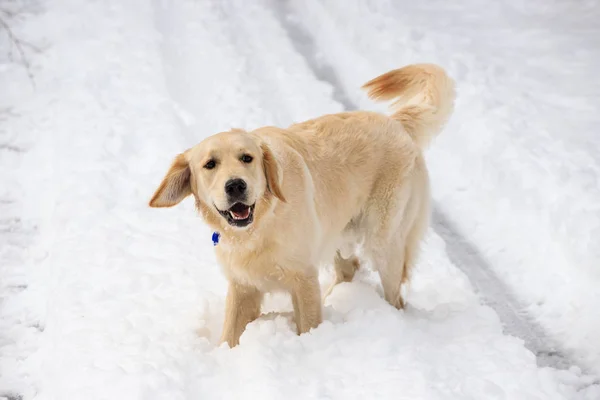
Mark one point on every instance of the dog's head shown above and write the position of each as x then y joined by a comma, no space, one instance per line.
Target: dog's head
234,177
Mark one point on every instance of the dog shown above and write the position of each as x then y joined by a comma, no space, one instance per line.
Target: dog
287,200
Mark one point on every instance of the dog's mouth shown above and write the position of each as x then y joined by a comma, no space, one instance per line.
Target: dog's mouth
239,214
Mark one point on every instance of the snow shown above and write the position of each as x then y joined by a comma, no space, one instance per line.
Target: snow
104,298
518,167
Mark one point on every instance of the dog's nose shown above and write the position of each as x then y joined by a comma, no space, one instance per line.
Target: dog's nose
235,188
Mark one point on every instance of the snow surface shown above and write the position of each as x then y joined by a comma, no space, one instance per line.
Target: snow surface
518,167
104,298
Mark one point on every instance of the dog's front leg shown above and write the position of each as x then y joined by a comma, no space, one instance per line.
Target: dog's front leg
242,307
306,298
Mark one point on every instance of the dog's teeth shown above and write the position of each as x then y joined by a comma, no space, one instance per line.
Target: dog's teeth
234,215
240,216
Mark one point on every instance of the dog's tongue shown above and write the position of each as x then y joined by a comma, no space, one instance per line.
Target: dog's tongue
240,212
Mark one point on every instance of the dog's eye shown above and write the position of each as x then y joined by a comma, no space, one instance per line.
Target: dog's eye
246,158
210,164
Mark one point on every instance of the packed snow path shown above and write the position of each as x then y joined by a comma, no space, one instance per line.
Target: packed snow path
103,298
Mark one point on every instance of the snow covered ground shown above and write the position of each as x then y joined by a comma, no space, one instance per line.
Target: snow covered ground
518,170
104,298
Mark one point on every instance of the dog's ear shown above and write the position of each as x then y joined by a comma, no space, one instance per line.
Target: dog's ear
273,172
175,185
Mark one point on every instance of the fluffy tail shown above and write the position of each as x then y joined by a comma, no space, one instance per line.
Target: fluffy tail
426,98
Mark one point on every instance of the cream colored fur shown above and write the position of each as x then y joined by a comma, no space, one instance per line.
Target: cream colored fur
320,187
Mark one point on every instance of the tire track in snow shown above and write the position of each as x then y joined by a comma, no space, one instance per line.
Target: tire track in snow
462,253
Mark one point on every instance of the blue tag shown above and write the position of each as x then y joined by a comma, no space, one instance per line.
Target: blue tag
215,238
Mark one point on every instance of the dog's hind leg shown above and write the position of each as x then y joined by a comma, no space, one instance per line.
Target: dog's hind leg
413,242
392,269
397,256
345,268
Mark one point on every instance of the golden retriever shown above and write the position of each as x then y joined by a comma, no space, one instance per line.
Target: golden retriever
286,200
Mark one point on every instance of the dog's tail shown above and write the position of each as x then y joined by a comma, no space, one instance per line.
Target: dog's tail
426,98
